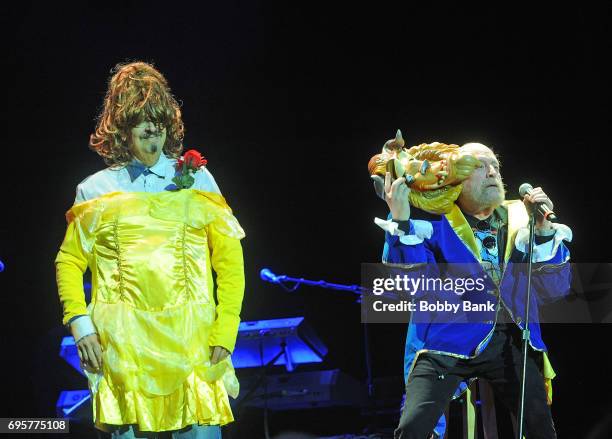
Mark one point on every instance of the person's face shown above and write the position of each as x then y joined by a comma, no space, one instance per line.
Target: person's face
147,141
484,188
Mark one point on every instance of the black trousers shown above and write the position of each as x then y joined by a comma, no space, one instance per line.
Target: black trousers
435,378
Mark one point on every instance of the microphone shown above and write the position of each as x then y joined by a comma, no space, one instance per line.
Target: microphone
266,275
542,208
153,148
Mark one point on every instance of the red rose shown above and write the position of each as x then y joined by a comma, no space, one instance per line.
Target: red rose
193,159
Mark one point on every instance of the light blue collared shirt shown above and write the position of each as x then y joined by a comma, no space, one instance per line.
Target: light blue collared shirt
136,177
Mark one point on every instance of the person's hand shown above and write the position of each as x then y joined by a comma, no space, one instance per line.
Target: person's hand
218,353
90,352
379,186
537,195
396,196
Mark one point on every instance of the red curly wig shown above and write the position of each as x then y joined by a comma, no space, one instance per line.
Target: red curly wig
137,92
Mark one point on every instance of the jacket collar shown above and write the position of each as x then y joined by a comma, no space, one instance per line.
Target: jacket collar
512,212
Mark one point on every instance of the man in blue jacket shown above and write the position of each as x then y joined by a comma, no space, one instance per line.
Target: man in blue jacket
484,230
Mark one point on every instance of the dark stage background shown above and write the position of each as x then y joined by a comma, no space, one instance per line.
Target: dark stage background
288,104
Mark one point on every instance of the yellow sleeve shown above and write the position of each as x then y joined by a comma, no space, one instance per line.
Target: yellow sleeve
70,264
228,264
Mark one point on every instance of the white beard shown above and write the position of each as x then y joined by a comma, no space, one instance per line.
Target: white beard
491,198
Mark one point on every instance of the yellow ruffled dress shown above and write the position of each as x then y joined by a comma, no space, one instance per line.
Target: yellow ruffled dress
150,256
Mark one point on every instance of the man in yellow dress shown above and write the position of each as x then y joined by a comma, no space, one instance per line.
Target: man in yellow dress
154,343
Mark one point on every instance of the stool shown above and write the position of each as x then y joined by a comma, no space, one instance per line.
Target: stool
479,390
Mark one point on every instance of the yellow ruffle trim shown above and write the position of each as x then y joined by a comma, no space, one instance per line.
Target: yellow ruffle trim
195,402
193,207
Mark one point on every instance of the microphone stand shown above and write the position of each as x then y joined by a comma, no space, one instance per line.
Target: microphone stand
355,289
525,331
314,283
